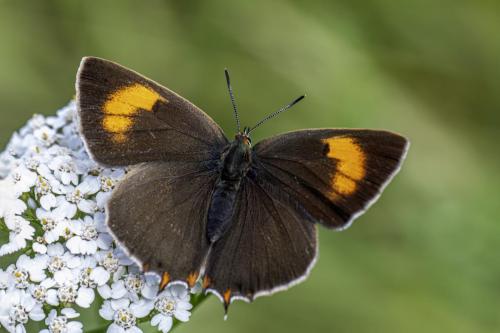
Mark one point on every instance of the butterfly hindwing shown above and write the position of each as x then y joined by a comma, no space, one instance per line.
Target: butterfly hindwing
158,214
126,118
268,247
332,174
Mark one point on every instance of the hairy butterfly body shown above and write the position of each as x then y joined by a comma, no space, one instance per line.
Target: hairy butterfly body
194,203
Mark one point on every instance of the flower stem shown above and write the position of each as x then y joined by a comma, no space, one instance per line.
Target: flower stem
98,329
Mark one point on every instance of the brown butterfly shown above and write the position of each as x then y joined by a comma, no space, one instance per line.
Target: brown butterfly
196,205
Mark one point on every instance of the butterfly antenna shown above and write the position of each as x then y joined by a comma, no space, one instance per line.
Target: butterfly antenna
274,114
236,116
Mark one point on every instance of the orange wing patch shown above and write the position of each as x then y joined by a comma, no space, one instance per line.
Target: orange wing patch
191,279
165,279
206,282
227,296
123,104
351,166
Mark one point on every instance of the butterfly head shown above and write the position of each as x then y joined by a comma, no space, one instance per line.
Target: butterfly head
244,137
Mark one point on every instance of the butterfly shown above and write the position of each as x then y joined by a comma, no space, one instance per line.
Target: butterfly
197,206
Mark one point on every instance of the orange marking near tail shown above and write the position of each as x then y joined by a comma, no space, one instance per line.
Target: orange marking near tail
227,296
165,279
206,282
192,278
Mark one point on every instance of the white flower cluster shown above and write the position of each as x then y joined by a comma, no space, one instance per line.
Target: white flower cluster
52,199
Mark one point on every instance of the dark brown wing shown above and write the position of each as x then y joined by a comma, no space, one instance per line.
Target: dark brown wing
126,118
158,214
333,175
269,246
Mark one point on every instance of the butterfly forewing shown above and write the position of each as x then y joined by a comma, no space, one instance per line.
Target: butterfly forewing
126,118
333,175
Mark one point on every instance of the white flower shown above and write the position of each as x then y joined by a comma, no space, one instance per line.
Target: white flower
20,277
78,197
36,121
108,179
64,116
60,324
9,202
137,283
32,162
64,169
108,260
132,286
134,283
20,143
91,275
114,262
6,280
71,137
40,291
116,291
124,314
45,135
16,308
54,224
67,293
74,286
172,302
85,297
6,164
20,231
39,246
89,236
64,208
23,179
35,266
45,186
62,263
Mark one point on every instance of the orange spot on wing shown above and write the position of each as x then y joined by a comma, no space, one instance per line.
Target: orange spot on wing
206,282
165,279
227,296
192,278
351,164
125,103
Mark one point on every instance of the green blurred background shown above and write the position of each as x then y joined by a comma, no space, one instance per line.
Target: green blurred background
425,258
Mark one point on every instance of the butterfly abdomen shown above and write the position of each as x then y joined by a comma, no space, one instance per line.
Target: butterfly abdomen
221,209
234,166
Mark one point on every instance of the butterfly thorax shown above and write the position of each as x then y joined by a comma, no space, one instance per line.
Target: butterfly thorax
234,164
236,159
